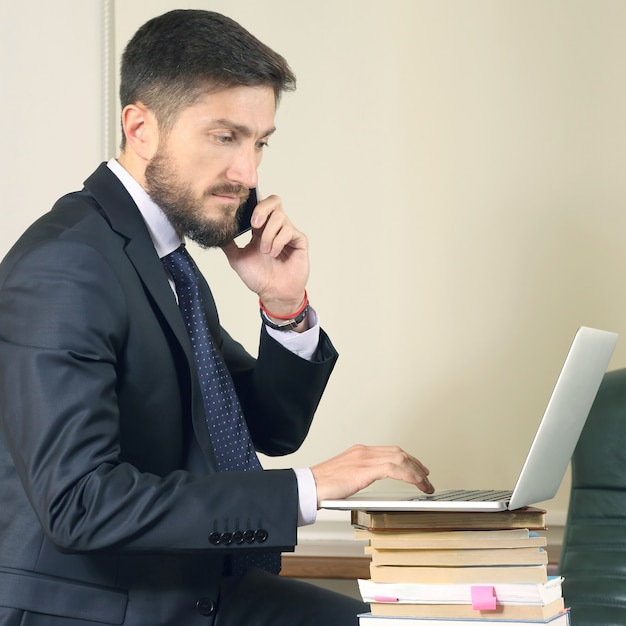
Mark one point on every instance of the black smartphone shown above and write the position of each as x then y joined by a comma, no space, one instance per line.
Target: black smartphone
246,213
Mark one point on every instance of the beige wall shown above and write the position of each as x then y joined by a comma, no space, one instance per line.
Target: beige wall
459,168
50,105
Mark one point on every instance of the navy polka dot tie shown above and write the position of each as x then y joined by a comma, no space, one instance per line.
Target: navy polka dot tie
229,433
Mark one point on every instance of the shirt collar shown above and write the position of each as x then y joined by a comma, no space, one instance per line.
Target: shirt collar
162,233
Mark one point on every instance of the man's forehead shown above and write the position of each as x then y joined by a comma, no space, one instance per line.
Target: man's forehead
248,110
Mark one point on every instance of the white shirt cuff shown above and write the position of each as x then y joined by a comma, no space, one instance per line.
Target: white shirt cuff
307,496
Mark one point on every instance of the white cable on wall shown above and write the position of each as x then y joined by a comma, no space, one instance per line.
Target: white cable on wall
108,132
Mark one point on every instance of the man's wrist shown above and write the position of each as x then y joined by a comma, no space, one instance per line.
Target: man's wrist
290,321
288,324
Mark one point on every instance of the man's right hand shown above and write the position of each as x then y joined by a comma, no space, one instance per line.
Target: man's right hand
360,466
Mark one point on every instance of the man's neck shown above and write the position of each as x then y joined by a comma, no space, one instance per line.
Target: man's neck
134,166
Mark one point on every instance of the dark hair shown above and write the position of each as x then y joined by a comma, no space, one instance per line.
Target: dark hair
176,57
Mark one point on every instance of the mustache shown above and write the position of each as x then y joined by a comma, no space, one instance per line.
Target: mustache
229,190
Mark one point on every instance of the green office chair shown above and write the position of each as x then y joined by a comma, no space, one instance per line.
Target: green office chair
593,560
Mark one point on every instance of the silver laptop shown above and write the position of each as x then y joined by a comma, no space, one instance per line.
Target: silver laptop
549,454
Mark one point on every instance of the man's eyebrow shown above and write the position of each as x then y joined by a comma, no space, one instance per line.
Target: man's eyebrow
241,128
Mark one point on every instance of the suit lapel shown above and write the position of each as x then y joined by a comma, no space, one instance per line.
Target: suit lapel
125,219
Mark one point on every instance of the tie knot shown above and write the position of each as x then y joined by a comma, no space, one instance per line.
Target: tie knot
181,266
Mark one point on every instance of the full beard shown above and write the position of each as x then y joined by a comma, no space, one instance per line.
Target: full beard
184,209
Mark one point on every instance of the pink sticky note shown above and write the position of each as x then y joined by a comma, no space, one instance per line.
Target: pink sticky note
385,599
483,598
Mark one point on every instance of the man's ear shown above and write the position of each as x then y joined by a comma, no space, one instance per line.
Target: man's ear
141,130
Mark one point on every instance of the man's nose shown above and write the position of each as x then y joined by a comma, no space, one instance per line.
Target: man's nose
243,169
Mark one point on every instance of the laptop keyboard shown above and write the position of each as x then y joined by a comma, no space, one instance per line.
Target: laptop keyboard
465,495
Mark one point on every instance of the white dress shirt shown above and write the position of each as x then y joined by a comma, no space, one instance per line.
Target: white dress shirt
166,240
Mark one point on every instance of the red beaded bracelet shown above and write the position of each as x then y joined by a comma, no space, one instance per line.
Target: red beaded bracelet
287,317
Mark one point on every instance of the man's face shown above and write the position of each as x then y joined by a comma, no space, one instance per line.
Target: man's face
204,167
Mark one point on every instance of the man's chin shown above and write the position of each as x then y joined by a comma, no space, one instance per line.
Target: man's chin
213,237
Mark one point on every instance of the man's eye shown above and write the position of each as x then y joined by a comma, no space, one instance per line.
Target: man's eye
223,139
263,144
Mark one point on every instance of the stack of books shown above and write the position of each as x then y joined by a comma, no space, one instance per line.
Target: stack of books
446,569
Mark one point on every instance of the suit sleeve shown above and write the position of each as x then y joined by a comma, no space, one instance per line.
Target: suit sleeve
279,391
64,324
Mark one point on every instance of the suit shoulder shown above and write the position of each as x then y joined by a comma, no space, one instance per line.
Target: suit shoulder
76,216
74,212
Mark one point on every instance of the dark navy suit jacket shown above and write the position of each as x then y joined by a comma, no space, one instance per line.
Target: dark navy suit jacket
109,494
